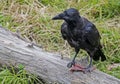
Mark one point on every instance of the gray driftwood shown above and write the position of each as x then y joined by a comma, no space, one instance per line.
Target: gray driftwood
48,66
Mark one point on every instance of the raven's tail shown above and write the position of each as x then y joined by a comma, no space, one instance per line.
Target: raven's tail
99,54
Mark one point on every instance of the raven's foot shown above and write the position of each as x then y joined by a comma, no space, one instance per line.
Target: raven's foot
88,69
69,65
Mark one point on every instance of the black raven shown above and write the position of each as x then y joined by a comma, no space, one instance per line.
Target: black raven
80,34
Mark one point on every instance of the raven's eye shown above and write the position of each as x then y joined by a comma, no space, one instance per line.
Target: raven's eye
72,14
66,13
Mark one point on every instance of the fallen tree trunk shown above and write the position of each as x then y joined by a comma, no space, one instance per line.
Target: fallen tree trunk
48,66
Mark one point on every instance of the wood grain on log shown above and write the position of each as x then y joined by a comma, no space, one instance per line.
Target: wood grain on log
48,66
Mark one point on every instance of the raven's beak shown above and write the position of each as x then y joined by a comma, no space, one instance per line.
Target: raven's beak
59,16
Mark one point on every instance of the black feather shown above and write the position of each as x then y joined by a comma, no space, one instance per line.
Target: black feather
99,54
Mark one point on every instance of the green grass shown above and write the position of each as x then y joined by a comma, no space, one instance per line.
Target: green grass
13,75
33,19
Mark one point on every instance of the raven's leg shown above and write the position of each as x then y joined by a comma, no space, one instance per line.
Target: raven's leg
69,65
90,64
89,68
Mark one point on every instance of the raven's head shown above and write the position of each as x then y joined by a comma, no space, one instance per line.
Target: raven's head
68,15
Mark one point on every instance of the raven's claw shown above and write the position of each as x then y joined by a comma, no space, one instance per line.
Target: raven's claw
69,65
88,69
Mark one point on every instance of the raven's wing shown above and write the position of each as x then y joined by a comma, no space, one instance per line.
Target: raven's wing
64,30
92,35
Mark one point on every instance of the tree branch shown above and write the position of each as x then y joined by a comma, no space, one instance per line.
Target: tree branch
48,66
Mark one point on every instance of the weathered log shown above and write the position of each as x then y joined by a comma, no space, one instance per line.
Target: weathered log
48,66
